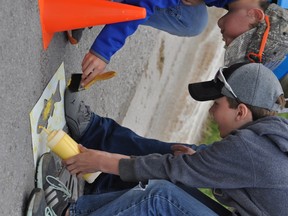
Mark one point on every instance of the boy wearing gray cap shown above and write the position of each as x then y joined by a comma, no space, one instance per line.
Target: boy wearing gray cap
247,169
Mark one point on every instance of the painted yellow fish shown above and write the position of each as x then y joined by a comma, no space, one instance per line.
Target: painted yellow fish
48,109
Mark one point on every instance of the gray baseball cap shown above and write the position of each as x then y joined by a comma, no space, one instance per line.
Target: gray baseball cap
251,83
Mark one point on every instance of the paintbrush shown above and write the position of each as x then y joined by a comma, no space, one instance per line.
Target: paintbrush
75,82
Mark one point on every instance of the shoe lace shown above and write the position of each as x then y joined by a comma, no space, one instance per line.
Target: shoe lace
49,212
59,186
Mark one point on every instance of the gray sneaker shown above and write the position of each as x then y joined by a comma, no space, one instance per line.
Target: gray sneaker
60,187
77,114
37,205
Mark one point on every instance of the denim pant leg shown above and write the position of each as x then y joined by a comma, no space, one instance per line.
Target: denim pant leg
106,135
159,197
182,20
87,204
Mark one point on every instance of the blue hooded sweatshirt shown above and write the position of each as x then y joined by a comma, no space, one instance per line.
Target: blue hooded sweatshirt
113,36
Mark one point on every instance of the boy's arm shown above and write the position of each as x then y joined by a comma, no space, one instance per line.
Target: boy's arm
93,160
113,36
206,168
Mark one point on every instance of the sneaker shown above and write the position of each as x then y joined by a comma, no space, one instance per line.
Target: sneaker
77,114
37,205
60,188
45,165
74,36
71,182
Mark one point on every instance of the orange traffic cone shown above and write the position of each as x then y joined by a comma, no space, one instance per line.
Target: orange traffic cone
63,15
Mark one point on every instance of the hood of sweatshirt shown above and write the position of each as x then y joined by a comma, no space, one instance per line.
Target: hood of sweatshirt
274,128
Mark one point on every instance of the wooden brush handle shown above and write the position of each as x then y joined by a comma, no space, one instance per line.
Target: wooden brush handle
103,76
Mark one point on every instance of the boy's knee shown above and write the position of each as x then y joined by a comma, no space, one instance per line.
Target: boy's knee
158,187
193,21
191,30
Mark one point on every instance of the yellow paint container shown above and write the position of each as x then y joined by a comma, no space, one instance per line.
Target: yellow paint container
65,147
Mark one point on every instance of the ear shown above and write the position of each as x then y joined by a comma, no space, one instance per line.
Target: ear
257,14
243,113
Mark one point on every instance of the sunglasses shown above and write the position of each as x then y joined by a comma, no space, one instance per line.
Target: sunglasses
219,76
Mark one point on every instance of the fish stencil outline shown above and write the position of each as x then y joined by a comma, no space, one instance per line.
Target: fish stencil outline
48,109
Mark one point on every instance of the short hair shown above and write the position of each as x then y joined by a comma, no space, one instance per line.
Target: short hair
264,4
257,112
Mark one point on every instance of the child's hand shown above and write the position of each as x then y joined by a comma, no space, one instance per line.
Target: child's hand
91,66
181,149
90,160
85,162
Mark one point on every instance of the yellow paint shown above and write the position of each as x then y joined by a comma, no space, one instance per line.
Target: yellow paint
47,109
35,148
69,82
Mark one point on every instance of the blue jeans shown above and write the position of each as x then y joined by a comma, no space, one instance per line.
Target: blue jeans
182,20
107,135
158,197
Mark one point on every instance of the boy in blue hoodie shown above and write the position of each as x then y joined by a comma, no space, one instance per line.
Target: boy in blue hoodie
178,17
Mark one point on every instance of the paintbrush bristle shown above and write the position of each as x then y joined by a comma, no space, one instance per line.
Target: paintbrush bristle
75,82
